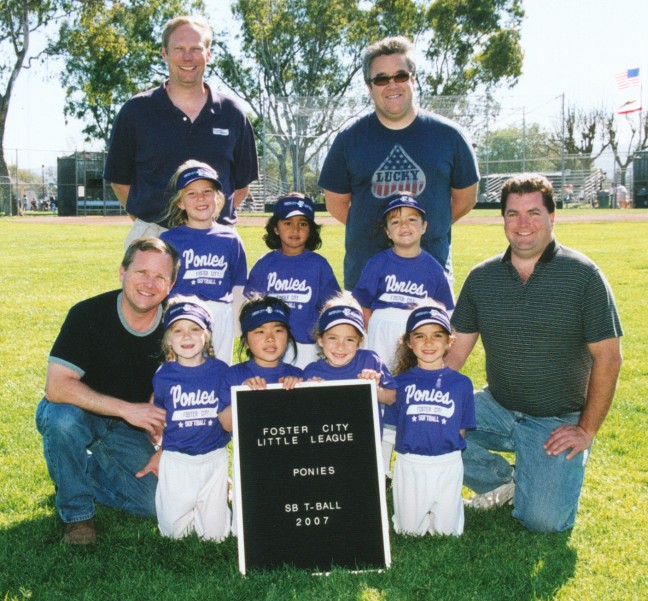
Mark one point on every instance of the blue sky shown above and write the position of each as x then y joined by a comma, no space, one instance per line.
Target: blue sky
573,47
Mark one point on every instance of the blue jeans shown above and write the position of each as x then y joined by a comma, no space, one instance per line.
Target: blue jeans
106,474
547,488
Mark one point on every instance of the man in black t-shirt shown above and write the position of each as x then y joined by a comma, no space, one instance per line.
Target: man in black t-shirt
95,419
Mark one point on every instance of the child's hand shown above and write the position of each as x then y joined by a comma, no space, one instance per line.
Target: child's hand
369,374
315,379
256,383
289,382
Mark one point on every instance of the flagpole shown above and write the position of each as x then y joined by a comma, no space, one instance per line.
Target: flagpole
640,112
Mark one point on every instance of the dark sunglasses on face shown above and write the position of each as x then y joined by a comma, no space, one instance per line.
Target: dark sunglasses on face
383,80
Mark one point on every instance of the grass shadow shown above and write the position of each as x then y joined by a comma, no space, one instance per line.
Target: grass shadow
495,559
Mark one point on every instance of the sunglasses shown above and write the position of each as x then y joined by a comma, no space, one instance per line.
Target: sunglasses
383,80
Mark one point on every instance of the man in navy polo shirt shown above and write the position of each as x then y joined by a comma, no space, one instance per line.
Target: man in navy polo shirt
184,118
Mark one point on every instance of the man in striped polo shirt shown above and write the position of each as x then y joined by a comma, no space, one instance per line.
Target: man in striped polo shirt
551,333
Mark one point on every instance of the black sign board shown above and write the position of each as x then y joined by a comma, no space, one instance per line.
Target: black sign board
309,482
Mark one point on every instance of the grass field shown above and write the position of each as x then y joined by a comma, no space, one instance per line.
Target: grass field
47,268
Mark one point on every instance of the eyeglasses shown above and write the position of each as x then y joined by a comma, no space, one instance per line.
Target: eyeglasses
383,80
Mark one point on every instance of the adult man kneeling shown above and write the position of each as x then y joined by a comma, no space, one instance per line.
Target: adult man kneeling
550,329
95,418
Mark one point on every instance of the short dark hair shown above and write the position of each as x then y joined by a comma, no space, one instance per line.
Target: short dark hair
151,244
391,45
527,183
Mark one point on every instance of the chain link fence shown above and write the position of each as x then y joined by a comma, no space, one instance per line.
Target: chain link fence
295,136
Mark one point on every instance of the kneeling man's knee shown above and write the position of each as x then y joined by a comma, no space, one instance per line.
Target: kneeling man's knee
546,517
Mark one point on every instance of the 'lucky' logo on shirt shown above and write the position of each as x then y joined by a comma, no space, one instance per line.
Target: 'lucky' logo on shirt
398,173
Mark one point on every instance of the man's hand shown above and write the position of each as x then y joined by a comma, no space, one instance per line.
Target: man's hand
146,416
152,467
568,437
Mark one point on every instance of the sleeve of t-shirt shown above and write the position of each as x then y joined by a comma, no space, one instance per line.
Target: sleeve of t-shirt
239,259
366,289
443,292
157,392
292,370
376,363
468,412
120,160
74,345
225,388
334,175
466,170
328,283
600,317
255,281
390,416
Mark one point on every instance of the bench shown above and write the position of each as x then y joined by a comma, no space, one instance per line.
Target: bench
105,207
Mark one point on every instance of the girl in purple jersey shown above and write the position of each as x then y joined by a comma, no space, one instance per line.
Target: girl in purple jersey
340,332
213,265
434,407
265,323
294,273
191,494
395,280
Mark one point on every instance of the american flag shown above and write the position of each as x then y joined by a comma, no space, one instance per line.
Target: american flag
628,78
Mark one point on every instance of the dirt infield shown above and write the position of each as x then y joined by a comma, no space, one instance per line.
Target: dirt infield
563,216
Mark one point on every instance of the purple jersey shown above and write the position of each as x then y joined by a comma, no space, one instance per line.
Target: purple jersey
304,282
189,396
212,261
431,407
389,280
237,374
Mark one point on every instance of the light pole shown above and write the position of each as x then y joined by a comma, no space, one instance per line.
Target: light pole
43,176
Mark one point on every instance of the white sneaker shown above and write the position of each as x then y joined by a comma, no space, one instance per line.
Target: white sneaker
498,497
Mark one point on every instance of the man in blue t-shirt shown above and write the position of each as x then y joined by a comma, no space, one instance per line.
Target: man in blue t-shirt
399,148
184,118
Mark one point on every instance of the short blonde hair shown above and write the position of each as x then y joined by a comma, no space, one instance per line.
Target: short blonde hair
196,21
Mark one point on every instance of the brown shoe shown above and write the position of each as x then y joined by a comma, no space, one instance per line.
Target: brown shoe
80,533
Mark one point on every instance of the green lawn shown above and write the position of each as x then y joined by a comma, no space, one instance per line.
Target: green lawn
49,267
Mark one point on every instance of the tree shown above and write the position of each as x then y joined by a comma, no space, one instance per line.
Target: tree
583,130
638,140
515,150
18,20
112,51
469,44
285,51
292,51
